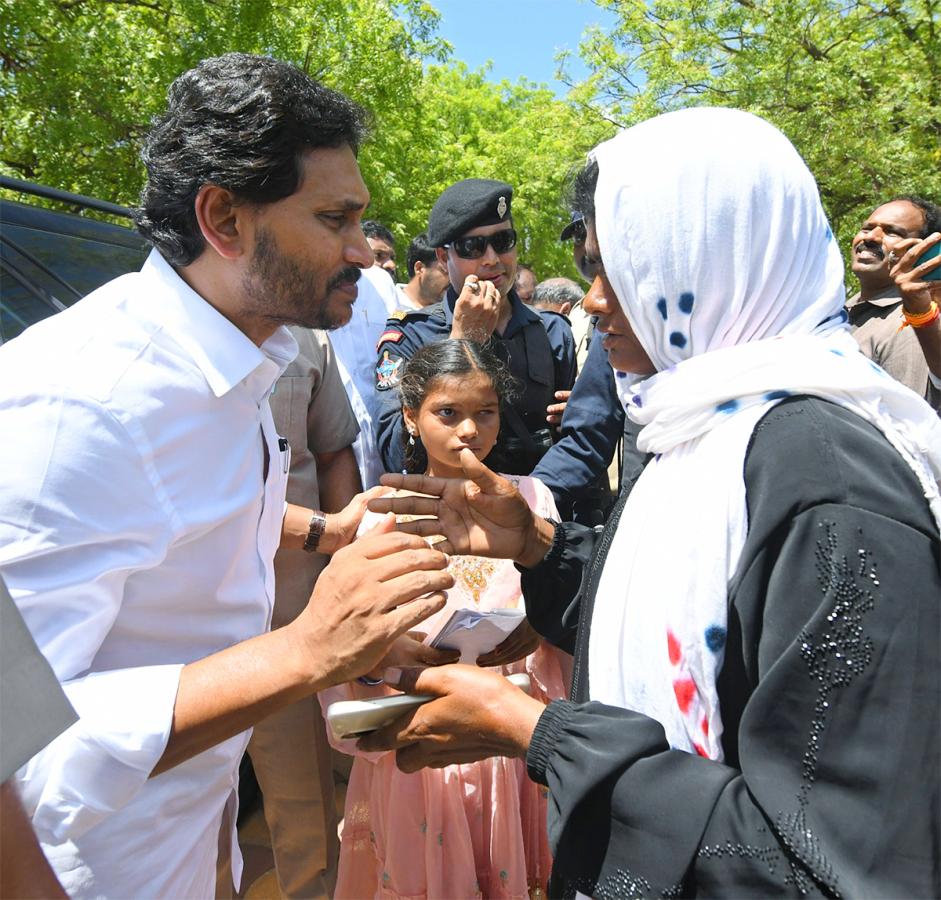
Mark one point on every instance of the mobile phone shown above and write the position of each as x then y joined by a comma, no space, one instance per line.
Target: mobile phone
930,253
354,718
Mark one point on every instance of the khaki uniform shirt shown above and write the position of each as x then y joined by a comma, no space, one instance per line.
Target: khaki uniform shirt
310,409
875,324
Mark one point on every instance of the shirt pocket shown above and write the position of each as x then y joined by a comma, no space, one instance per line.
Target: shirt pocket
289,405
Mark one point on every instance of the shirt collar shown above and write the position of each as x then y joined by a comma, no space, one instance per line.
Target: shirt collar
888,296
221,351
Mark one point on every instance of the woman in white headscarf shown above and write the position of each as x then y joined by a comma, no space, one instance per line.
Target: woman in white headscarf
757,632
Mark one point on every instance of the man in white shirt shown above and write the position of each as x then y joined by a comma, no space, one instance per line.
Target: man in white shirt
382,242
427,277
145,482
355,346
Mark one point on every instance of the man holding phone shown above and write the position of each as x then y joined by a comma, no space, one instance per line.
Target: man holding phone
895,317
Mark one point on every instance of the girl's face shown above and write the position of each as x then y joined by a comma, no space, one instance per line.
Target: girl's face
458,411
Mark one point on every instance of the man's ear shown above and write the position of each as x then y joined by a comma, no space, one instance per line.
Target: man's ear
419,268
222,221
565,308
442,255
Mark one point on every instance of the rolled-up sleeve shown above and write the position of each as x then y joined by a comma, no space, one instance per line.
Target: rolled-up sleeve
99,764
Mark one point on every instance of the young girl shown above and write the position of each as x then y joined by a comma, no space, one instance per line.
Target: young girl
475,830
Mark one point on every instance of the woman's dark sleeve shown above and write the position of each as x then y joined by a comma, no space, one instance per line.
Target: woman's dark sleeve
835,790
552,588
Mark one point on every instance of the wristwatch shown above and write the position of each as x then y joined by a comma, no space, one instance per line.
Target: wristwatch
318,525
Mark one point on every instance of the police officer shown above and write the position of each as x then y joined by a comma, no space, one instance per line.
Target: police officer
576,468
471,226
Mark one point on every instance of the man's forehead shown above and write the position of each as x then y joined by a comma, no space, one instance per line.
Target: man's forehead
331,175
489,229
898,212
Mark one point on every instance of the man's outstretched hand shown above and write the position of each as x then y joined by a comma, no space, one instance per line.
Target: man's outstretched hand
480,515
373,592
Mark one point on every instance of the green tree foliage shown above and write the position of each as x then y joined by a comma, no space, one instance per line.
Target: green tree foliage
80,81
855,85
519,133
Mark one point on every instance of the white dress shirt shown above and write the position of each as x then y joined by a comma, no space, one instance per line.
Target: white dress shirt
137,534
355,348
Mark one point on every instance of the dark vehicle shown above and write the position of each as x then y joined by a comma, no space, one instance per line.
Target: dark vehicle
50,259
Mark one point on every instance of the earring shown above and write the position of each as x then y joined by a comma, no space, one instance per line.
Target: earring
411,439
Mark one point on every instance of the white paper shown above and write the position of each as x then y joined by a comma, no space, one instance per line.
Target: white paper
475,633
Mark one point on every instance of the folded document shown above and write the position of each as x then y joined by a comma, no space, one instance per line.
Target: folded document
475,633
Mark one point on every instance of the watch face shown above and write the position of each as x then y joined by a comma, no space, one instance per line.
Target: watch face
318,524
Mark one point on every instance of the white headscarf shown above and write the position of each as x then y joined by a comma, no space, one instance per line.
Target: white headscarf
713,236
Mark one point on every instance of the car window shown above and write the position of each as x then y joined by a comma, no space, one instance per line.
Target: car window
45,270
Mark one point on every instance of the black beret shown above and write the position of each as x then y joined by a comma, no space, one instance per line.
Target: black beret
468,204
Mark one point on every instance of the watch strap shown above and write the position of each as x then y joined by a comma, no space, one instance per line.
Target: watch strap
316,528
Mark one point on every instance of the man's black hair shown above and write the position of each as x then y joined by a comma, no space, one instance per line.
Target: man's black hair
373,229
583,190
419,251
931,211
240,122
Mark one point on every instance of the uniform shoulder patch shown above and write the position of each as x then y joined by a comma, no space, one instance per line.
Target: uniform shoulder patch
390,334
398,314
388,371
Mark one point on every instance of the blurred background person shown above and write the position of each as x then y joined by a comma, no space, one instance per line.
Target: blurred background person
427,277
525,282
382,242
894,323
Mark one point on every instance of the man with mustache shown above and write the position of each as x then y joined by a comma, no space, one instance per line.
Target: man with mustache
145,495
891,315
471,225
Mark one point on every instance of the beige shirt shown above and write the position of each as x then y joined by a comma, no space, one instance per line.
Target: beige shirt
875,324
310,409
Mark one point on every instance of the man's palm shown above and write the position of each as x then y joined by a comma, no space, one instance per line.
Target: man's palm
482,515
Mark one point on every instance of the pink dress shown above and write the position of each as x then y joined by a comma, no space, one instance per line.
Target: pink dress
470,830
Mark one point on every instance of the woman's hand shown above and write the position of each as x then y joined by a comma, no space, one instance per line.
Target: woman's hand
478,714
482,515
523,641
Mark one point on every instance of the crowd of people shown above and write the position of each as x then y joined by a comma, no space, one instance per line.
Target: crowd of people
257,476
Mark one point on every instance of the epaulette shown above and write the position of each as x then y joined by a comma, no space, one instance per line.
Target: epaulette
424,312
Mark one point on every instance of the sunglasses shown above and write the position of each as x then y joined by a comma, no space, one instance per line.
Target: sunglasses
476,246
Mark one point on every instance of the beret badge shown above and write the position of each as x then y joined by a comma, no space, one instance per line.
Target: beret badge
501,207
